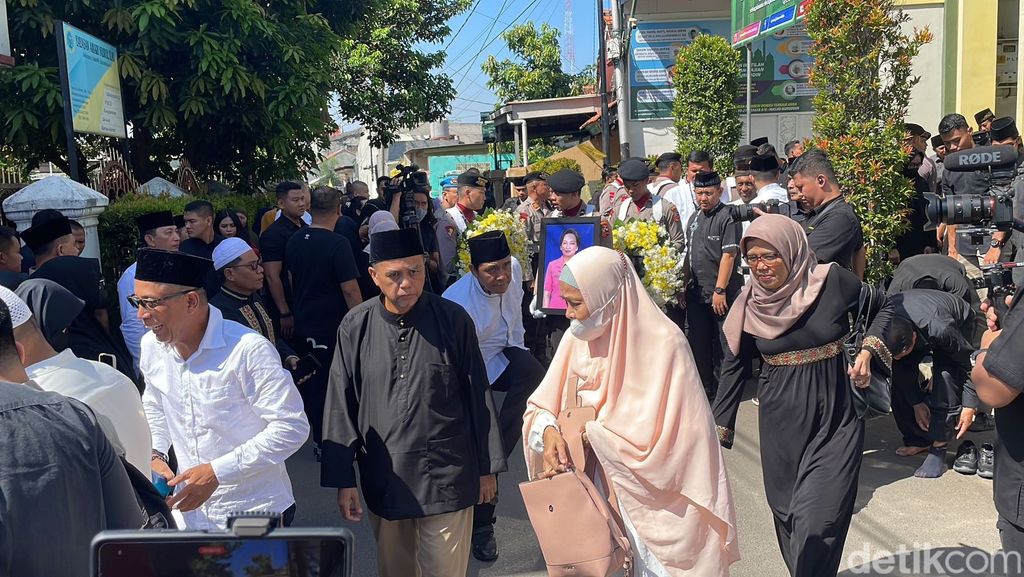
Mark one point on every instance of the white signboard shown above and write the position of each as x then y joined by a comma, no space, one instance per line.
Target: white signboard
5,38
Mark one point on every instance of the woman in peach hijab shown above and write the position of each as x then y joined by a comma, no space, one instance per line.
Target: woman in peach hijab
654,435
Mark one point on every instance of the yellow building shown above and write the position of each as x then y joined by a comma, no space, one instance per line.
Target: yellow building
973,61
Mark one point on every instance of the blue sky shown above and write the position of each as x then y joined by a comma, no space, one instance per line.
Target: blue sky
467,50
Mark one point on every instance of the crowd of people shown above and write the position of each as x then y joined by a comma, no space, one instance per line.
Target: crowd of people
333,318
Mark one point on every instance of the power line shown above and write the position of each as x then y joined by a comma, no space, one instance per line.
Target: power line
468,16
488,33
530,8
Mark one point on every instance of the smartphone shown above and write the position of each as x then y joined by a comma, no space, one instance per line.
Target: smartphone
306,367
161,485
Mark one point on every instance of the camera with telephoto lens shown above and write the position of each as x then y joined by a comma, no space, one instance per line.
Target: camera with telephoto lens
409,181
992,207
745,212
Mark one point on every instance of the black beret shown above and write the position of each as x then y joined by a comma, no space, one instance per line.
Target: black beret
742,156
937,141
705,179
764,163
566,181
535,175
984,115
634,169
395,244
917,130
152,220
46,232
172,267
490,246
759,141
1003,128
670,157
472,178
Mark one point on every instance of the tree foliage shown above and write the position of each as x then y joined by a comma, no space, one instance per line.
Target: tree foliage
537,71
242,89
863,73
706,80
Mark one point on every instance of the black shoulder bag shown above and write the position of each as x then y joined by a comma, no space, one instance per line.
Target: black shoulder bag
875,400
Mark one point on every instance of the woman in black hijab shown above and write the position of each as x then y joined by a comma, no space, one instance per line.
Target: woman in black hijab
54,308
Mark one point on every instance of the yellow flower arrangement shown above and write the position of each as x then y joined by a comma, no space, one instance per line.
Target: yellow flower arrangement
504,221
662,270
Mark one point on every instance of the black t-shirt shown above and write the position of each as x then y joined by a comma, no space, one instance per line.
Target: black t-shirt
198,247
274,239
349,228
318,261
834,233
1005,361
709,235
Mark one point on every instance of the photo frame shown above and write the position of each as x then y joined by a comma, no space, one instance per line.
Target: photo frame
586,231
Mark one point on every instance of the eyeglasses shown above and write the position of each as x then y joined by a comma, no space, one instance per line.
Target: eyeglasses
254,265
151,304
768,259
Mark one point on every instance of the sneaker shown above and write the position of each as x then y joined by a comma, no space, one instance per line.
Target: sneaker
982,422
986,461
485,547
966,461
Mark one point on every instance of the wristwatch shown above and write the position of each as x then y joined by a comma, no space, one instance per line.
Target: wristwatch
975,355
719,290
996,243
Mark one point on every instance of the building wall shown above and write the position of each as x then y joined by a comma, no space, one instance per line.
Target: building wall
926,107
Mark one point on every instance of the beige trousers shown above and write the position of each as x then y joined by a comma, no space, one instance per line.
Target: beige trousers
435,546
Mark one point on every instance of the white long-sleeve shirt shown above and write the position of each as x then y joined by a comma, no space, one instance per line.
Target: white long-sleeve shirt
230,404
498,318
110,394
132,328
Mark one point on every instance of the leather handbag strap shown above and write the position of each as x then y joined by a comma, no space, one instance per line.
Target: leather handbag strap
571,395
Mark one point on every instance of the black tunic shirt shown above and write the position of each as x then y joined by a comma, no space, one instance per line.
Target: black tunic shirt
199,247
318,261
710,235
409,399
274,240
87,337
834,233
250,312
1005,361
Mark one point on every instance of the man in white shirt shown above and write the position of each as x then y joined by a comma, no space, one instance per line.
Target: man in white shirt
765,168
671,185
111,395
156,230
493,296
217,392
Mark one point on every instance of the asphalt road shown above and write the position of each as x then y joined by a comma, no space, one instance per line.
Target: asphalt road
921,522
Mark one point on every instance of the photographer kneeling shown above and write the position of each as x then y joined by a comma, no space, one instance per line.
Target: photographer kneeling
999,378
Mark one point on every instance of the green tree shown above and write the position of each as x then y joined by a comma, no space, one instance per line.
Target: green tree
242,89
537,71
863,73
706,80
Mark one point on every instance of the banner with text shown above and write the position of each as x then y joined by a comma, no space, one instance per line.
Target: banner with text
652,61
754,19
94,84
781,66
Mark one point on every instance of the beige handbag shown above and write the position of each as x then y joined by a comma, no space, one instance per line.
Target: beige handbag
578,532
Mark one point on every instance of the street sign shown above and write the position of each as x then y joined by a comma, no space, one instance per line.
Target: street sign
92,83
487,127
754,19
6,58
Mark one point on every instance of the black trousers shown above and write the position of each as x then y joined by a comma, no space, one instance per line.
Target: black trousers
1011,536
944,401
707,340
553,329
314,391
518,381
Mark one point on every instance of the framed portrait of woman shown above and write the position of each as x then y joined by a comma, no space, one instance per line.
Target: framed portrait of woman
561,239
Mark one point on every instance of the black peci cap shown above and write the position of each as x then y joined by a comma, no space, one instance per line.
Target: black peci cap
937,141
705,179
983,115
395,244
759,141
1003,128
152,220
46,232
764,163
670,157
490,246
172,267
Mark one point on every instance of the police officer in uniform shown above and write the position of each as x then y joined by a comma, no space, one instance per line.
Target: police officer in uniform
713,237
531,211
643,205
